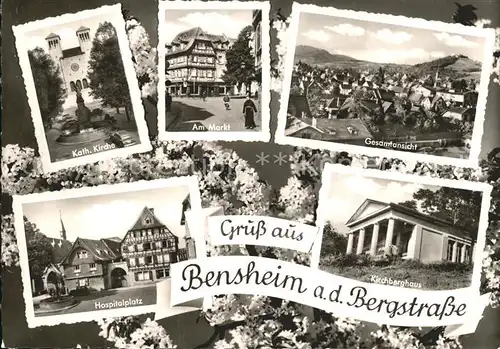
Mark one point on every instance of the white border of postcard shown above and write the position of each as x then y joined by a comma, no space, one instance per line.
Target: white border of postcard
18,200
487,66
264,134
116,18
485,188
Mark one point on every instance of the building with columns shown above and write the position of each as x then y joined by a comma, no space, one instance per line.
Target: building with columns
378,228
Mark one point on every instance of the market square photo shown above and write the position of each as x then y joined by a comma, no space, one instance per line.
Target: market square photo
214,70
401,230
104,249
378,84
81,86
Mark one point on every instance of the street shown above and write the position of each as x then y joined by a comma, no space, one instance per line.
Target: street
88,303
194,114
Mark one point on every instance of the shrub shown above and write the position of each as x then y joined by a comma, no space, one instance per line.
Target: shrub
80,291
446,266
97,112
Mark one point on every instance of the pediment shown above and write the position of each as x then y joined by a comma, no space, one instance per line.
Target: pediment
367,208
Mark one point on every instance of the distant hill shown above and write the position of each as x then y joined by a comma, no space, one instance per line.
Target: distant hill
459,65
315,56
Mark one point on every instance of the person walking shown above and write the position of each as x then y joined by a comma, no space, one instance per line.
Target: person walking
249,110
226,101
204,95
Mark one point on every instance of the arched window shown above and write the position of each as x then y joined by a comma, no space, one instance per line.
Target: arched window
72,86
79,85
85,83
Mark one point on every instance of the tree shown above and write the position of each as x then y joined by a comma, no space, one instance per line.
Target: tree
240,64
333,243
39,249
48,84
465,14
459,85
402,106
460,207
108,81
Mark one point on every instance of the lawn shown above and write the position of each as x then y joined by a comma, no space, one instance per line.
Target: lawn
428,277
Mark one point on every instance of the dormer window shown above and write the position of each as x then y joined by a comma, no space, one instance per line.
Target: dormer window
82,254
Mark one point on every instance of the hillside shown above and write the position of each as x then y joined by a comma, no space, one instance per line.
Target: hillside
457,65
315,56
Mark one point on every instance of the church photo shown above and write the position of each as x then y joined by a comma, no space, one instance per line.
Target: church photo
107,248
81,87
402,230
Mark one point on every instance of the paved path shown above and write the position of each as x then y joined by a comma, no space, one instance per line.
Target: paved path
88,303
194,114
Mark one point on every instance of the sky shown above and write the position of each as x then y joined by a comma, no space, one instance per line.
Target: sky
349,191
66,31
110,215
383,43
228,22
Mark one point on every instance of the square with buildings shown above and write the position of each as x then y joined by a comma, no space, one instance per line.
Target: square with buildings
376,84
401,230
81,87
214,70
103,249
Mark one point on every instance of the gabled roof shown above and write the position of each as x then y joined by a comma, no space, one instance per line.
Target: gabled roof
385,95
71,52
406,210
147,212
52,36
82,28
295,125
362,207
98,248
435,99
189,36
386,105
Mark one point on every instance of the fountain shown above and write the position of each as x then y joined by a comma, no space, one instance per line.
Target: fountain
81,129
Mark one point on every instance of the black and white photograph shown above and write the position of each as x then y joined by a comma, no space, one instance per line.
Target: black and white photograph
402,230
214,70
82,90
104,249
381,83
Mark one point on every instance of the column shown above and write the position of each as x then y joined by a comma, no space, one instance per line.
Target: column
373,246
454,254
361,241
350,242
390,234
462,255
398,240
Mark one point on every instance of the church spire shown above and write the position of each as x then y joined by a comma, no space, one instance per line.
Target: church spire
436,77
63,229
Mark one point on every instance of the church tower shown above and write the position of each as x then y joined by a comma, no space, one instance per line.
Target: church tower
84,39
63,229
54,44
436,78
